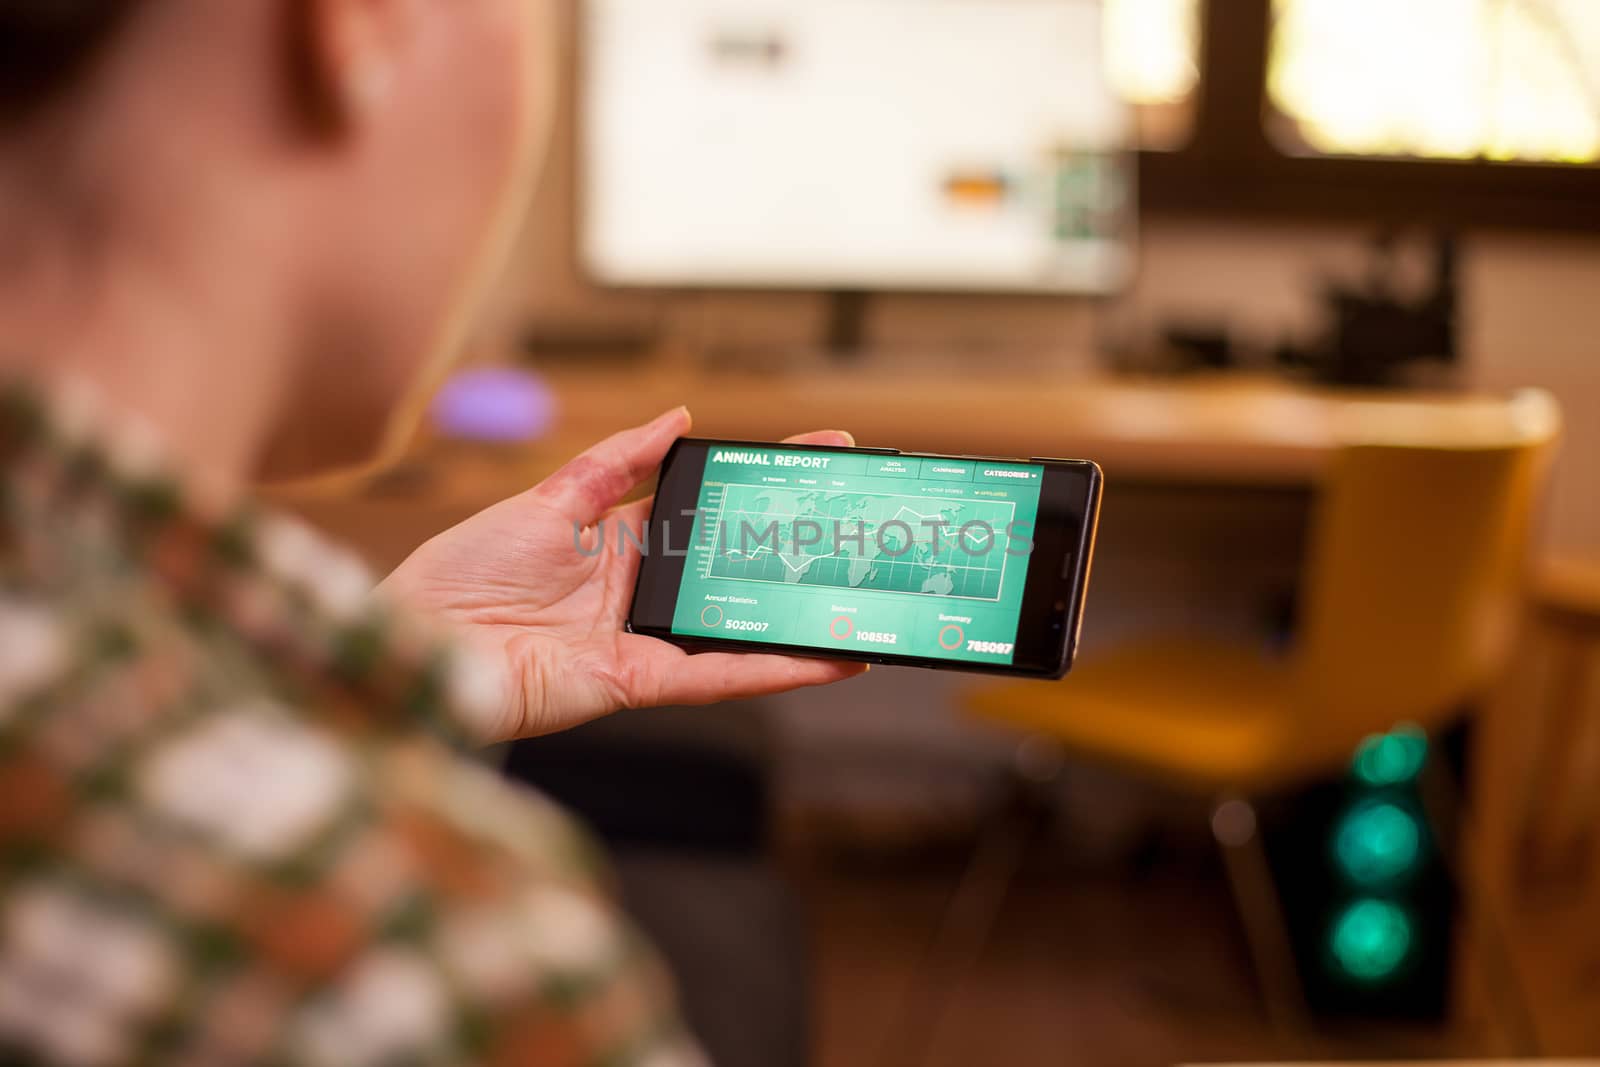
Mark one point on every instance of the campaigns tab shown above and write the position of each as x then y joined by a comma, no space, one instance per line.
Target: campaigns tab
948,470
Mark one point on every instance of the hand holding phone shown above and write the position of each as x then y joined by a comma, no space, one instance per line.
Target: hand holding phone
953,562
540,584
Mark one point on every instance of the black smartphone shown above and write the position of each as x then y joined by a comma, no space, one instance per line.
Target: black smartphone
954,562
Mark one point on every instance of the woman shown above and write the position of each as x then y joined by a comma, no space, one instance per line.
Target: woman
236,821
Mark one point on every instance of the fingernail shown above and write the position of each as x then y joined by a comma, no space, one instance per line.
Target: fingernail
847,435
679,412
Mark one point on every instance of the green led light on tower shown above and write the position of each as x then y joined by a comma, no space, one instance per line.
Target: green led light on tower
1378,848
1393,758
1377,843
1371,939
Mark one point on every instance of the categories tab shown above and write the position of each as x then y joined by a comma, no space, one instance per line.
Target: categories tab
1008,473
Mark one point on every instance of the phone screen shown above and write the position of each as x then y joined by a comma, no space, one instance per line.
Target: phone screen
858,553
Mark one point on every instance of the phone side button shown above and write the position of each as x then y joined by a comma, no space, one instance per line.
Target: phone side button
1066,564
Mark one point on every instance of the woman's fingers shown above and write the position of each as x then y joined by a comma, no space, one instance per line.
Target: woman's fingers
672,677
595,482
592,484
634,515
843,438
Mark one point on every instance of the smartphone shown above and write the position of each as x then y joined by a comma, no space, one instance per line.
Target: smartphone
951,562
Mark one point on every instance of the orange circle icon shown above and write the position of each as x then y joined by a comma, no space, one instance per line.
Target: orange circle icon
842,633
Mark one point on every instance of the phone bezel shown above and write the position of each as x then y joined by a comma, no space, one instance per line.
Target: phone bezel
1058,567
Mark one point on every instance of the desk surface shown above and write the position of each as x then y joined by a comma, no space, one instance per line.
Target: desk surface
1216,430
1211,429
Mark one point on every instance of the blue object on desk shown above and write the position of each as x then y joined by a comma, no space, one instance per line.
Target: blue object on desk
499,405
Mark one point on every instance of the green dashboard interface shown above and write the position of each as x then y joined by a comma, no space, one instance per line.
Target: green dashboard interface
898,555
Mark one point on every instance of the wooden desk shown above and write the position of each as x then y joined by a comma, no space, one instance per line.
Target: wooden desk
1255,431
1203,430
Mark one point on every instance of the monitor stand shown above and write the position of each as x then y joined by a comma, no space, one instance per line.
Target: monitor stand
845,332
841,340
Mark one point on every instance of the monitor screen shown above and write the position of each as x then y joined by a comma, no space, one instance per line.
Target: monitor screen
853,144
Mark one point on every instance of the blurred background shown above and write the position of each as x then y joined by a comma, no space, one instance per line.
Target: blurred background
1328,782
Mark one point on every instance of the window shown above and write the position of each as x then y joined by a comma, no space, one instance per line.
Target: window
1152,55
1500,80
1449,113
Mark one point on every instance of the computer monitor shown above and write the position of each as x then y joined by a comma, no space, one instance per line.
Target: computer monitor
852,145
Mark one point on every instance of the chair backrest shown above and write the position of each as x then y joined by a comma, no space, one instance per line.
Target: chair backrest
1415,573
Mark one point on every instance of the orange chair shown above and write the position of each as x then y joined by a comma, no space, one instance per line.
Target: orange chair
1410,599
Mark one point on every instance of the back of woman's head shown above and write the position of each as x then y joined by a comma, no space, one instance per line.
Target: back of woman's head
316,187
46,44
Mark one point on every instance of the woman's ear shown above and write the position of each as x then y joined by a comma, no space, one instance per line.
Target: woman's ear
346,57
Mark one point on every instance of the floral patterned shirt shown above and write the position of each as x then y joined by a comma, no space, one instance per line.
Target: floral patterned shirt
237,821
